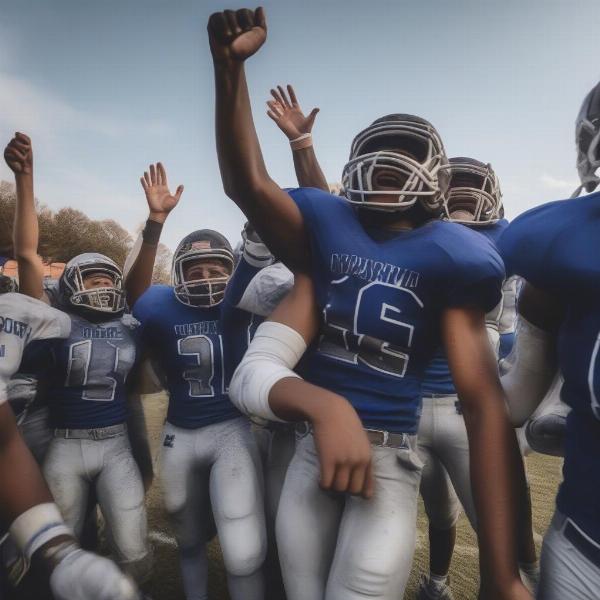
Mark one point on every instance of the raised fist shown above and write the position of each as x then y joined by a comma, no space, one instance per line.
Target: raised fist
236,35
19,155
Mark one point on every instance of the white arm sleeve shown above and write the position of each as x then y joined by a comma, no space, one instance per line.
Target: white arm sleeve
532,369
491,324
267,289
271,356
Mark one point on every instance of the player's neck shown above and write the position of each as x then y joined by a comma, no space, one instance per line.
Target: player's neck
394,222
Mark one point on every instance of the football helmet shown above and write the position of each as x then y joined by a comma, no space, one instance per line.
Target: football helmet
587,140
94,301
377,147
474,189
201,245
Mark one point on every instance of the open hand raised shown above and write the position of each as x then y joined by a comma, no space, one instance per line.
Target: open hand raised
160,200
286,112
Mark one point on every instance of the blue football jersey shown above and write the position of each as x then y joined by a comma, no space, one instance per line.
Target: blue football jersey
381,302
86,388
437,378
197,348
554,247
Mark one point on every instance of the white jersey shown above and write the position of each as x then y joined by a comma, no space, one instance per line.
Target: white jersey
22,320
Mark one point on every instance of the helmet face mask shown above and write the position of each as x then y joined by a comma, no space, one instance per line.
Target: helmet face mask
587,140
201,246
474,197
409,150
105,300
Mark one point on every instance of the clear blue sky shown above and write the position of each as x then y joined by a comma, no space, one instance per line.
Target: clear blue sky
105,88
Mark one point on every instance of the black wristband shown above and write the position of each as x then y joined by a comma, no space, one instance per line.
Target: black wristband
151,232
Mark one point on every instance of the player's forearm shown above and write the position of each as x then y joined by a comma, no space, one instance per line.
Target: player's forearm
496,475
242,166
26,238
139,265
21,483
245,178
308,169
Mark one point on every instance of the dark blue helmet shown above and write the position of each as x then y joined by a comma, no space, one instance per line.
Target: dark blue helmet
407,146
197,246
474,196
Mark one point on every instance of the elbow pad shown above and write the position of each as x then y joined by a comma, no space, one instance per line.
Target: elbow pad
532,368
271,356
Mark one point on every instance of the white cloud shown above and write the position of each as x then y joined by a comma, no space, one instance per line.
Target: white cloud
555,183
27,107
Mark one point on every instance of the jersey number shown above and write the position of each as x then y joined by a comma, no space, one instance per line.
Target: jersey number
91,364
380,309
201,376
591,377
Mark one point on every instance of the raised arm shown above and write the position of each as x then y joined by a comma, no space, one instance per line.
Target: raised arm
265,385
140,262
235,37
285,110
19,157
497,475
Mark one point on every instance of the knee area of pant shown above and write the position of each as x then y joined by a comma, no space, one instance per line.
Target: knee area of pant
245,558
367,581
443,520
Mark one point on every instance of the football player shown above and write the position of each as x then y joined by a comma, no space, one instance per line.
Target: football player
26,505
209,458
86,385
386,283
473,199
553,247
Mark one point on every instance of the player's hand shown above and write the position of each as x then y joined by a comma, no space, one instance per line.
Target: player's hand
85,576
18,155
235,36
286,112
156,188
344,450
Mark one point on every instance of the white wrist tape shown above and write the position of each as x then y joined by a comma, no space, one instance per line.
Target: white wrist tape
36,526
271,356
532,368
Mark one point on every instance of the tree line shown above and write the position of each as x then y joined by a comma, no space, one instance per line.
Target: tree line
69,232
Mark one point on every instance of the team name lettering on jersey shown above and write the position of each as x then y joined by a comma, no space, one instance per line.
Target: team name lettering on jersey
102,333
11,326
200,328
373,270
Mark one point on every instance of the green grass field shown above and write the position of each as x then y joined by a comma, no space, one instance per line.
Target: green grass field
544,477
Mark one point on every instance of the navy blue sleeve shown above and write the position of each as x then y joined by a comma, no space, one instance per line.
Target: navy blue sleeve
241,278
143,310
476,272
